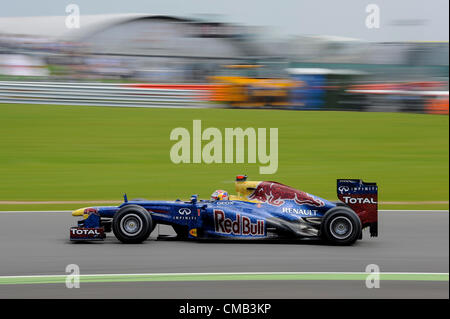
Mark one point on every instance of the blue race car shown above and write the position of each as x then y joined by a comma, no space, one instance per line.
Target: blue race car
260,210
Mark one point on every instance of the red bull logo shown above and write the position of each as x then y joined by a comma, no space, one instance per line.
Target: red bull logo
241,226
276,194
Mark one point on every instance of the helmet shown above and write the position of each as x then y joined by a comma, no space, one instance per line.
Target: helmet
219,195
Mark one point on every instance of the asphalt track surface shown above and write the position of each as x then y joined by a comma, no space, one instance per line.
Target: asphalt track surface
36,243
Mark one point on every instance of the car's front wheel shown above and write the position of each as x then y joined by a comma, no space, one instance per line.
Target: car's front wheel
341,226
132,224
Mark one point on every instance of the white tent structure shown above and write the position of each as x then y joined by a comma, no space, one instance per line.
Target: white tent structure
54,27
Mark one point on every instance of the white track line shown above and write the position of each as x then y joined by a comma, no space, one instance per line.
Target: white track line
236,273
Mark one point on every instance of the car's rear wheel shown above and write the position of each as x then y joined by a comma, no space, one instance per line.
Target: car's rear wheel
132,224
341,226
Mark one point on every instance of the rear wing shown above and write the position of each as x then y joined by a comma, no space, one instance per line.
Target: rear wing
362,197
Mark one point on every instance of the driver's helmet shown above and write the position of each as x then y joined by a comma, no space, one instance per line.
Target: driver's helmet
219,195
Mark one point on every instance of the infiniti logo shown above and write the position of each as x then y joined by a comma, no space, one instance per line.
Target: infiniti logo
184,211
343,189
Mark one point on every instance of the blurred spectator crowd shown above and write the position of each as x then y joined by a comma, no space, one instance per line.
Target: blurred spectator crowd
320,72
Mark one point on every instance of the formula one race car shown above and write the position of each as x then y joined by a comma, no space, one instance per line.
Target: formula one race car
260,210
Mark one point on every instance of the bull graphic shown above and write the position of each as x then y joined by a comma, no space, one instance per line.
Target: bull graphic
276,194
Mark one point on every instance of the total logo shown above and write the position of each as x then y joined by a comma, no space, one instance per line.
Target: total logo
183,214
307,212
241,226
359,200
85,232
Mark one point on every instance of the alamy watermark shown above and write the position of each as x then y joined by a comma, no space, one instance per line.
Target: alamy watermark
373,277
73,16
373,17
229,148
73,276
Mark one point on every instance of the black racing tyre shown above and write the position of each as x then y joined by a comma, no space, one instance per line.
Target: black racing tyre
341,226
132,224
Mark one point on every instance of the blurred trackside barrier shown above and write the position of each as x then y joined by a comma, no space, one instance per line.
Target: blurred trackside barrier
103,94
437,106
379,97
418,97
206,92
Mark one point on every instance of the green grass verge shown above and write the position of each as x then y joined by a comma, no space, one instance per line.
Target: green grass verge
92,153
221,277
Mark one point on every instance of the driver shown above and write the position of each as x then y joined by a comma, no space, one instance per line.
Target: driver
220,195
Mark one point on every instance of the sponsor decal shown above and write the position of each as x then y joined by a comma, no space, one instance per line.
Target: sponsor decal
276,194
184,211
85,233
356,189
185,217
307,212
364,188
242,225
343,189
224,202
193,232
359,200
88,211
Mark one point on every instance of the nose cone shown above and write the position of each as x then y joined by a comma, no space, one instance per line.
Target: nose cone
78,212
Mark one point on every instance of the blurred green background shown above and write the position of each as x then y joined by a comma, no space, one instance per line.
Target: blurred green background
51,153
